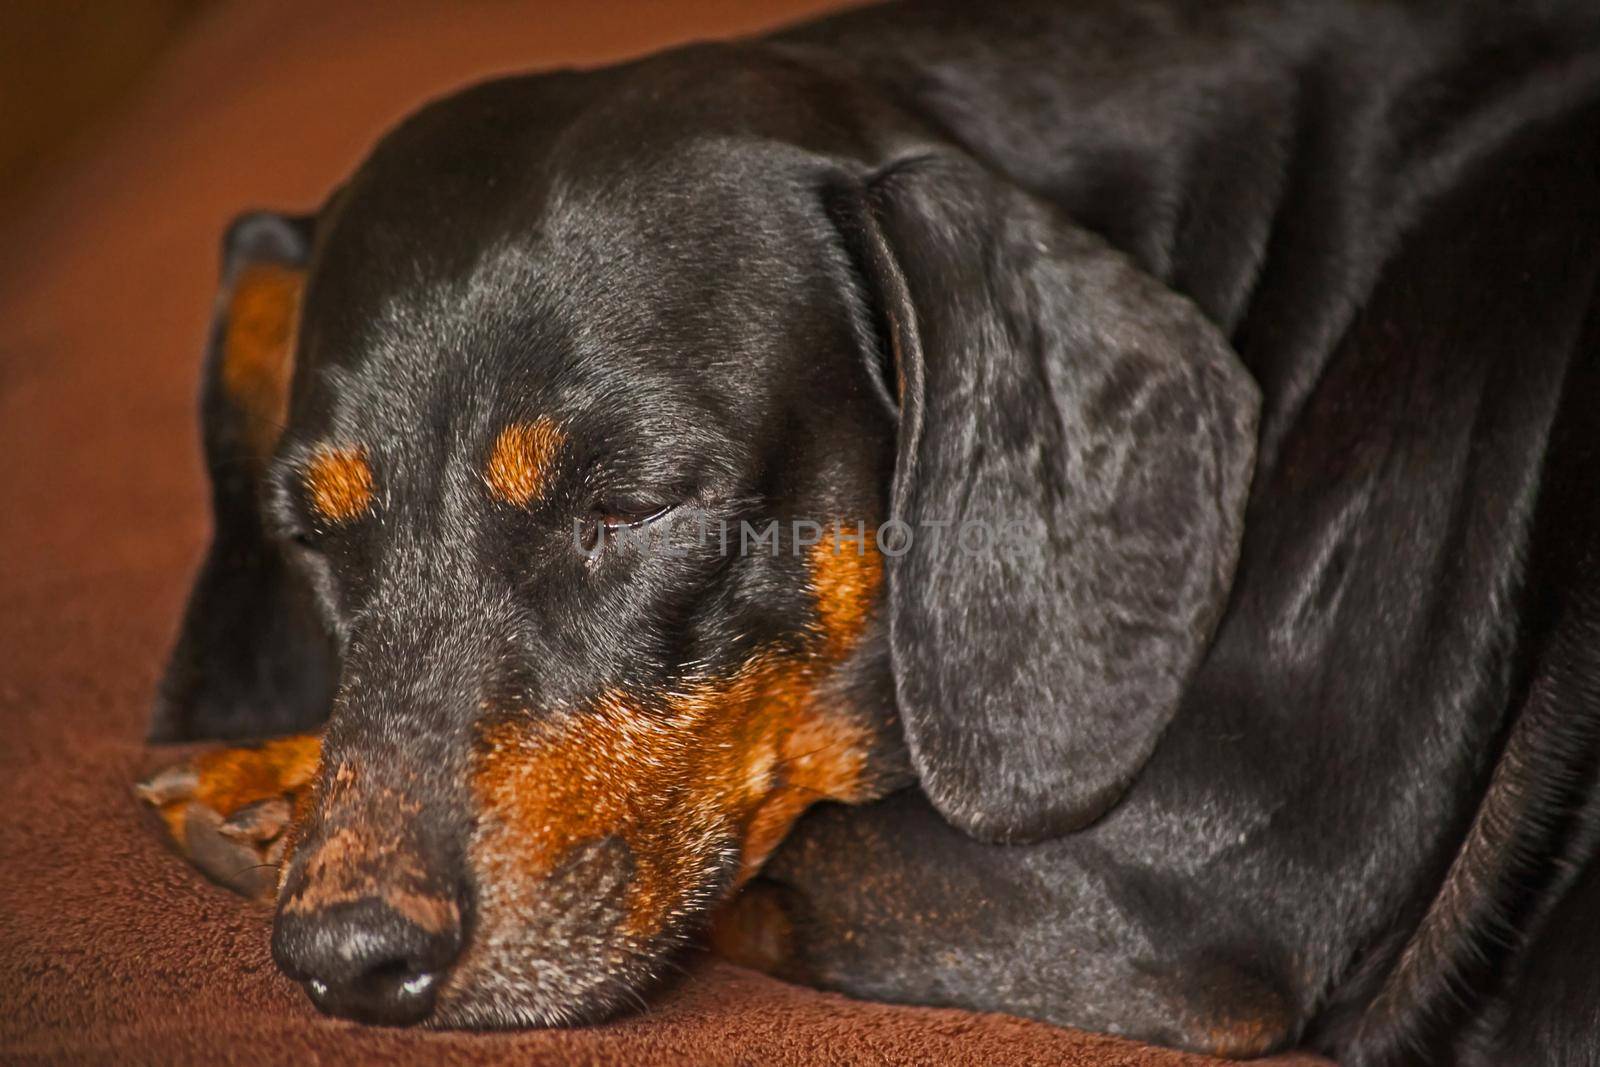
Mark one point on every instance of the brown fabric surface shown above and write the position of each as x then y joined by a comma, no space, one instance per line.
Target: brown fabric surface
110,948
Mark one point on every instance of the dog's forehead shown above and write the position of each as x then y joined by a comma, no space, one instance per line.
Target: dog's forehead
451,284
542,327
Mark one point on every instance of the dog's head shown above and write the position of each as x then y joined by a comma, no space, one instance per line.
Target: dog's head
631,459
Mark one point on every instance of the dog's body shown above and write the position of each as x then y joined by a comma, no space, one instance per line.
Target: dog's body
1371,822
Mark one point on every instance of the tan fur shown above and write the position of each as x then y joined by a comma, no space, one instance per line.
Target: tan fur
519,465
257,349
233,778
1242,1038
736,757
339,481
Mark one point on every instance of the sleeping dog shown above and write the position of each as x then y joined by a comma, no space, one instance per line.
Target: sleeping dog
1140,458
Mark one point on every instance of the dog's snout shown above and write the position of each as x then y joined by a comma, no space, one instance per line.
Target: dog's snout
363,960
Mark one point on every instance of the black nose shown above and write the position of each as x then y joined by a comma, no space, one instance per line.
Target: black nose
363,960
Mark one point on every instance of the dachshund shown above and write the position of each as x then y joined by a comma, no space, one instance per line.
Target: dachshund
1088,511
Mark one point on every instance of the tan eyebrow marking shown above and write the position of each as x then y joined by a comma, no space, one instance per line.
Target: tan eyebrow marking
518,470
340,482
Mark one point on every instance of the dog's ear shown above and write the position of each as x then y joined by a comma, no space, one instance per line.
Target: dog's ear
1076,443
252,657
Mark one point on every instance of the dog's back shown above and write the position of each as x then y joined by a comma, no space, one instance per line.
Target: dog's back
1394,213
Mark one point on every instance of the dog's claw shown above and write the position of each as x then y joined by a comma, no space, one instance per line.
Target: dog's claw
229,812
168,785
259,822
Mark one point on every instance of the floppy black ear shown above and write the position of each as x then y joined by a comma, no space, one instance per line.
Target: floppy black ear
252,657
1095,436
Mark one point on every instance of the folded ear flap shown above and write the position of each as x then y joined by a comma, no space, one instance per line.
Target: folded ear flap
252,657
1076,444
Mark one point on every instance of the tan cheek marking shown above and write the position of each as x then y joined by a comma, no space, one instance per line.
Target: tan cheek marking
1245,1037
615,770
519,464
339,481
545,788
845,579
823,760
741,756
796,751
257,348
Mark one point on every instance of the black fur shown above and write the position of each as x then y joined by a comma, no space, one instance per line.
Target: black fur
252,658
1047,383
1275,322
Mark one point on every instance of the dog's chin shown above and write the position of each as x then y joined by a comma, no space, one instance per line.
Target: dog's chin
559,953
544,994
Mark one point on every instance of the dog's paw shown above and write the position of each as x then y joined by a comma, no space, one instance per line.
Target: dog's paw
229,812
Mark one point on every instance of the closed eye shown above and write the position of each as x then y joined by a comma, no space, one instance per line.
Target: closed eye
619,519
609,517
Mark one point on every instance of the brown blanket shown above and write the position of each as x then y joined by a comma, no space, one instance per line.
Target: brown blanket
111,950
